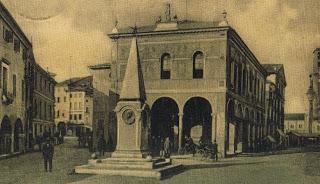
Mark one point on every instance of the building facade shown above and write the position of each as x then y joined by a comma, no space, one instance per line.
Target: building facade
298,122
316,79
74,104
201,81
13,48
43,102
101,86
275,99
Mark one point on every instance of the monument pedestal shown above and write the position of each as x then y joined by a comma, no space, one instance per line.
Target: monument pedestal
139,167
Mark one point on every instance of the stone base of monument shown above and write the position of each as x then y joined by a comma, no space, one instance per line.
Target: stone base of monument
139,167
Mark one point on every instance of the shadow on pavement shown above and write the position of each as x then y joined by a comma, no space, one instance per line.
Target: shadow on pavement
217,165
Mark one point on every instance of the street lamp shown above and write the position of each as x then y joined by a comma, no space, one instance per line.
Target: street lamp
311,95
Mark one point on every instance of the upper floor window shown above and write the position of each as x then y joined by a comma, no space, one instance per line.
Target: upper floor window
198,63
16,45
5,80
165,66
14,84
7,35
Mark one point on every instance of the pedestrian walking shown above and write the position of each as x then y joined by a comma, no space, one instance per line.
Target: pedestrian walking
101,145
167,148
47,152
215,150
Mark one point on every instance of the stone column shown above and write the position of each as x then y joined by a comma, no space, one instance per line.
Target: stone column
180,129
214,127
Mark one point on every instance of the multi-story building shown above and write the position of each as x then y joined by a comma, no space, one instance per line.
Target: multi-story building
101,87
316,80
43,101
275,99
74,104
201,80
13,50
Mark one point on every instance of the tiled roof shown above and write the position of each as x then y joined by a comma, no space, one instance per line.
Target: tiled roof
294,116
69,81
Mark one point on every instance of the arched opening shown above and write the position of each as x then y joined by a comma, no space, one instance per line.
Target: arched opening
197,120
18,131
198,65
5,136
165,66
164,122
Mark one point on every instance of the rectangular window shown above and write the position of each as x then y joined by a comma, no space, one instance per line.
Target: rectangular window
58,114
70,117
22,91
5,80
75,117
87,109
80,116
65,99
62,114
7,35
16,45
58,99
14,84
70,95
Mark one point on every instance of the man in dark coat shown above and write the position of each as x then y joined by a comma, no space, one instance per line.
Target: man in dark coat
101,145
47,152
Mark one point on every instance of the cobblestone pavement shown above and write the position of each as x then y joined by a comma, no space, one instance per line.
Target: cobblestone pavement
300,168
28,168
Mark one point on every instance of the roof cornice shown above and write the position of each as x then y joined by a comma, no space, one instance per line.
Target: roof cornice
8,18
179,31
250,55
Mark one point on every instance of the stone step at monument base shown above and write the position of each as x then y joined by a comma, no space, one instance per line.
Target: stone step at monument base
159,168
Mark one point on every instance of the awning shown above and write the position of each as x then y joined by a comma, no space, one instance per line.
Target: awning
281,133
271,139
306,135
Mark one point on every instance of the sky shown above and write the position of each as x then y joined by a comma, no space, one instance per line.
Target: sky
69,35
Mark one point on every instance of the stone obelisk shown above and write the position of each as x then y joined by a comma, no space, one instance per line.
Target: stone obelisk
132,111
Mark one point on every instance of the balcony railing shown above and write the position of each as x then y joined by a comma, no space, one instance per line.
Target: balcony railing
7,98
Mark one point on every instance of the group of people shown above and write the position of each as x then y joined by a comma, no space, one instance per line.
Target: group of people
85,140
205,145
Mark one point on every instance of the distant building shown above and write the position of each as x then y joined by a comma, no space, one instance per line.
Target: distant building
275,99
316,82
101,108
298,122
13,51
74,104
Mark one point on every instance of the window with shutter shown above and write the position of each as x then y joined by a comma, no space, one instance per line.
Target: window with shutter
165,66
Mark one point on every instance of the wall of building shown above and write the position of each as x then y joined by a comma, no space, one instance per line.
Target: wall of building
12,86
101,108
43,102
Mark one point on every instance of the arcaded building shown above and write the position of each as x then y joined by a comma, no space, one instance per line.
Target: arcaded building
201,80
275,100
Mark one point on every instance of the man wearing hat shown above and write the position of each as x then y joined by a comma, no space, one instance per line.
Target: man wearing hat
47,152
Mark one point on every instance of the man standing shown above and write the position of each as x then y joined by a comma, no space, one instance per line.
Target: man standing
215,150
101,145
47,152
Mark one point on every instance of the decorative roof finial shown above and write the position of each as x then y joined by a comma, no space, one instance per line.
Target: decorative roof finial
115,29
168,12
225,21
